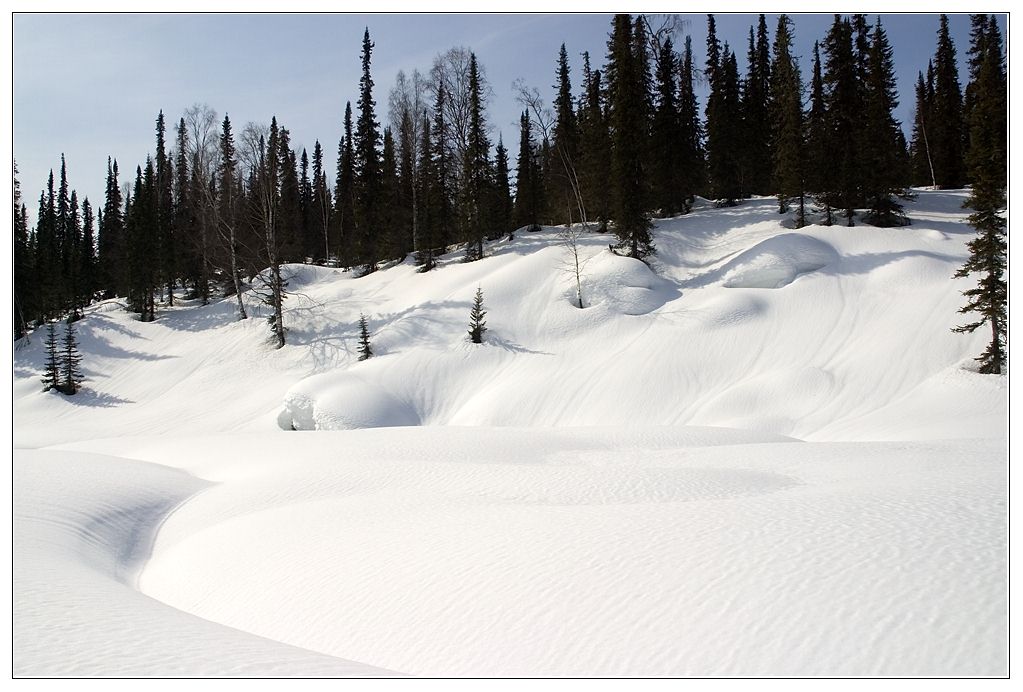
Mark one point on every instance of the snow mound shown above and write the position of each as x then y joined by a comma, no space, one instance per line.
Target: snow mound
777,261
342,401
624,285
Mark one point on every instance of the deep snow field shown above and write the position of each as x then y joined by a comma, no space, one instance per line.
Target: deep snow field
764,455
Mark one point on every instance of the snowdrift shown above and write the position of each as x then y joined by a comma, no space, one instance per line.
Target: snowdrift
764,453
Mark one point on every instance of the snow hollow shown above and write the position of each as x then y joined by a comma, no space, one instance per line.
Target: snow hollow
764,453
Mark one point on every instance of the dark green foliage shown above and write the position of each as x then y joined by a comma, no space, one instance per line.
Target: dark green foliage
322,206
111,236
667,139
141,243
23,297
164,213
409,207
692,163
289,235
366,160
628,137
561,182
756,130
881,152
344,194
527,193
71,360
52,368
87,256
595,145
922,171
501,212
946,136
365,349
476,172
724,121
786,111
843,105
477,325
308,232
818,172
988,164
426,195
391,228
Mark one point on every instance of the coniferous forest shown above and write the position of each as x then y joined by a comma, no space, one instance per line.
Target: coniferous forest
216,210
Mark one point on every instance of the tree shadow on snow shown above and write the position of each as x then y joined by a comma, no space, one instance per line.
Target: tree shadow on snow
89,398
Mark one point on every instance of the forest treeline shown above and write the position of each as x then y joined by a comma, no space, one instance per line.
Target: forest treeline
215,212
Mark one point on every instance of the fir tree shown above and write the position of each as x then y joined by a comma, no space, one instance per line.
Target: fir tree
724,125
344,193
228,209
71,359
477,325
946,137
164,212
526,208
595,145
87,255
628,129
988,159
922,170
501,214
111,236
441,200
881,152
365,349
691,156
22,298
426,240
52,368
322,204
843,104
561,184
476,183
756,106
818,174
667,138
367,166
786,110
391,226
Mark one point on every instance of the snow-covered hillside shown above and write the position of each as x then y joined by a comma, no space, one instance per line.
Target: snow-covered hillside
765,454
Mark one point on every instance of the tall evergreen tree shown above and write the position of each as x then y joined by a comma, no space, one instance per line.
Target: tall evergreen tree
757,160
87,255
365,348
322,204
692,163
167,246
819,174
562,182
111,236
922,170
786,120
724,124
666,137
367,166
595,146
501,213
628,137
391,225
476,173
882,152
310,238
947,114
526,207
426,240
477,325
23,263
229,210
988,169
344,194
442,207
843,104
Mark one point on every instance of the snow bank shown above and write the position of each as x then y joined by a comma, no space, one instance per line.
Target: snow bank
777,261
344,402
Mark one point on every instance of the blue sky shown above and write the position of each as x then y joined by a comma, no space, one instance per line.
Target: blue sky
91,85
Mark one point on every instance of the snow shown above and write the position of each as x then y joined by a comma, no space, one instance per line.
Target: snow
764,454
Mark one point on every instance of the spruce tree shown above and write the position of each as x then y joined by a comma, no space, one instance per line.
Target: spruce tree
365,349
391,228
442,200
843,104
988,170
786,111
476,172
367,166
595,146
946,138
501,214
322,205
164,213
310,238
52,368
819,173
426,240
724,125
526,211
692,163
562,182
881,152
667,137
922,170
229,210
23,269
477,325
756,106
87,255
111,236
628,142
344,194
71,359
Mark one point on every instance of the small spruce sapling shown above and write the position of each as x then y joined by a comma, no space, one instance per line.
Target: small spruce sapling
51,372
477,325
365,350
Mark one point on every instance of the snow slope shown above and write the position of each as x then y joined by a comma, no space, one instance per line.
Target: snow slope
766,454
